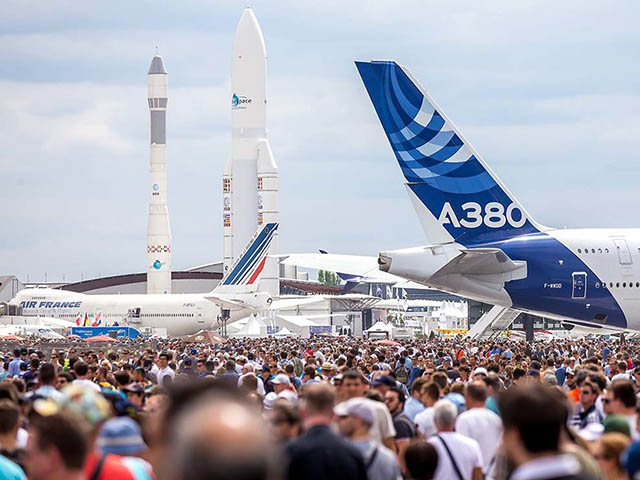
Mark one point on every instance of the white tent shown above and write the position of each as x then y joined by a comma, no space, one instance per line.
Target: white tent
284,332
380,326
255,327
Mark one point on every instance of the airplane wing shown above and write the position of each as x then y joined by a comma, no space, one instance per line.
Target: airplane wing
225,302
484,261
358,265
295,302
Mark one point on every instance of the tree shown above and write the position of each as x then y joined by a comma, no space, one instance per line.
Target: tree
321,277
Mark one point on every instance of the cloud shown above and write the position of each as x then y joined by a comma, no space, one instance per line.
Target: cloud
546,92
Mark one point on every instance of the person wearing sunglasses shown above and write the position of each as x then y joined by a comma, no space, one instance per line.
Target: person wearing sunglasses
586,411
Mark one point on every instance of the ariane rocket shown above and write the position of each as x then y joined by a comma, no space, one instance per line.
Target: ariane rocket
250,178
158,231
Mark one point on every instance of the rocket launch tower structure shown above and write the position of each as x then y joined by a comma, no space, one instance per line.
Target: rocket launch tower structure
250,178
158,230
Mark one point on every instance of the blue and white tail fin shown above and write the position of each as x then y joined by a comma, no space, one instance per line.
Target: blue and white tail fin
246,271
456,195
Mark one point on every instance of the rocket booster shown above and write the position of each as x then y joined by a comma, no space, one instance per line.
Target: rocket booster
158,231
250,179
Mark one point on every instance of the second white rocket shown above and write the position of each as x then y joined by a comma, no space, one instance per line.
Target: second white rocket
250,179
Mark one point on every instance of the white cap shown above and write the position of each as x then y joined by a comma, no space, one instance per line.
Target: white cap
356,407
281,379
481,370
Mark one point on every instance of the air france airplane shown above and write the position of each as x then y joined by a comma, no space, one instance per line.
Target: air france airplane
483,243
180,314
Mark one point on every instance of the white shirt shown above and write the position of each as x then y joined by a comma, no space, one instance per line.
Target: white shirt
485,427
83,382
547,467
163,373
464,450
424,423
383,425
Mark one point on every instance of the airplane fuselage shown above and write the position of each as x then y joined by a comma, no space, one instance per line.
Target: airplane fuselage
588,275
180,314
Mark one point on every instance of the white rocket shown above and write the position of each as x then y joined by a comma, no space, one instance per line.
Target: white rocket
158,231
250,179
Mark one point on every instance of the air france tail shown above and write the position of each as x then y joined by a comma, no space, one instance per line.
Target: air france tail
248,267
456,196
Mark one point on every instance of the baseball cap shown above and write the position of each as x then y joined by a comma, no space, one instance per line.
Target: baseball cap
120,436
480,370
134,388
617,423
384,380
77,400
281,379
356,407
569,371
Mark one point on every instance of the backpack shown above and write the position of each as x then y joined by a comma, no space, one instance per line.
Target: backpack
402,374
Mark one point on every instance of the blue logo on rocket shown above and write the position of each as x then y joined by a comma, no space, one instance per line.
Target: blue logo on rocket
157,265
235,100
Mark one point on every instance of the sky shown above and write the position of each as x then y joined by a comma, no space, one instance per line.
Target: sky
548,92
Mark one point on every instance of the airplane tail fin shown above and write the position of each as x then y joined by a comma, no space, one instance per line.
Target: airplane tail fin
246,271
455,194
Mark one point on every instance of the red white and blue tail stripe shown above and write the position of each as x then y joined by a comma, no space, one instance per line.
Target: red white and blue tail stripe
248,267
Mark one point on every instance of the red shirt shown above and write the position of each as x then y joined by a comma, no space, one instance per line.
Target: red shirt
112,469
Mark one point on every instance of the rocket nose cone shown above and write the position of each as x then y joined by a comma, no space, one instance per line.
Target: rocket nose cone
157,66
248,29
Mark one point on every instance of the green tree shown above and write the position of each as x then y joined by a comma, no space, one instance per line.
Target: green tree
321,277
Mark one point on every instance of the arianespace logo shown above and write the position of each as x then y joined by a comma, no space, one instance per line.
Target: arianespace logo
157,264
239,101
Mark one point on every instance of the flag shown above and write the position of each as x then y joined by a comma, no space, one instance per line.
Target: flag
379,292
78,319
97,320
86,320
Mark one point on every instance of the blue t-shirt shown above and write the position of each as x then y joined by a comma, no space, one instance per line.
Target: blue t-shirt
10,470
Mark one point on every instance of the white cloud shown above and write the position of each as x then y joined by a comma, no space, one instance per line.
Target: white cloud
545,91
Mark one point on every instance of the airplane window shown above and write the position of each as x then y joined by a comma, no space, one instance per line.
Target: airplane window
579,250
586,250
617,284
599,250
624,284
593,250
637,284
606,250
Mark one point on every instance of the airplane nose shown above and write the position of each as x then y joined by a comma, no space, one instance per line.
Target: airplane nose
384,262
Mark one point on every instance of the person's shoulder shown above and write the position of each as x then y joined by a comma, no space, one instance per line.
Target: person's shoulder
425,414
10,470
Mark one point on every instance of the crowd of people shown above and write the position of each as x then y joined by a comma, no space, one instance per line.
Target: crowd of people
322,408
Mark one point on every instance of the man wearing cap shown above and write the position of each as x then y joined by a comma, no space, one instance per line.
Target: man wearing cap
135,395
283,389
355,418
383,384
479,373
328,370
354,385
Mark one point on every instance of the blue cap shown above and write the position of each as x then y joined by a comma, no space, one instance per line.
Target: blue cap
120,436
193,351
